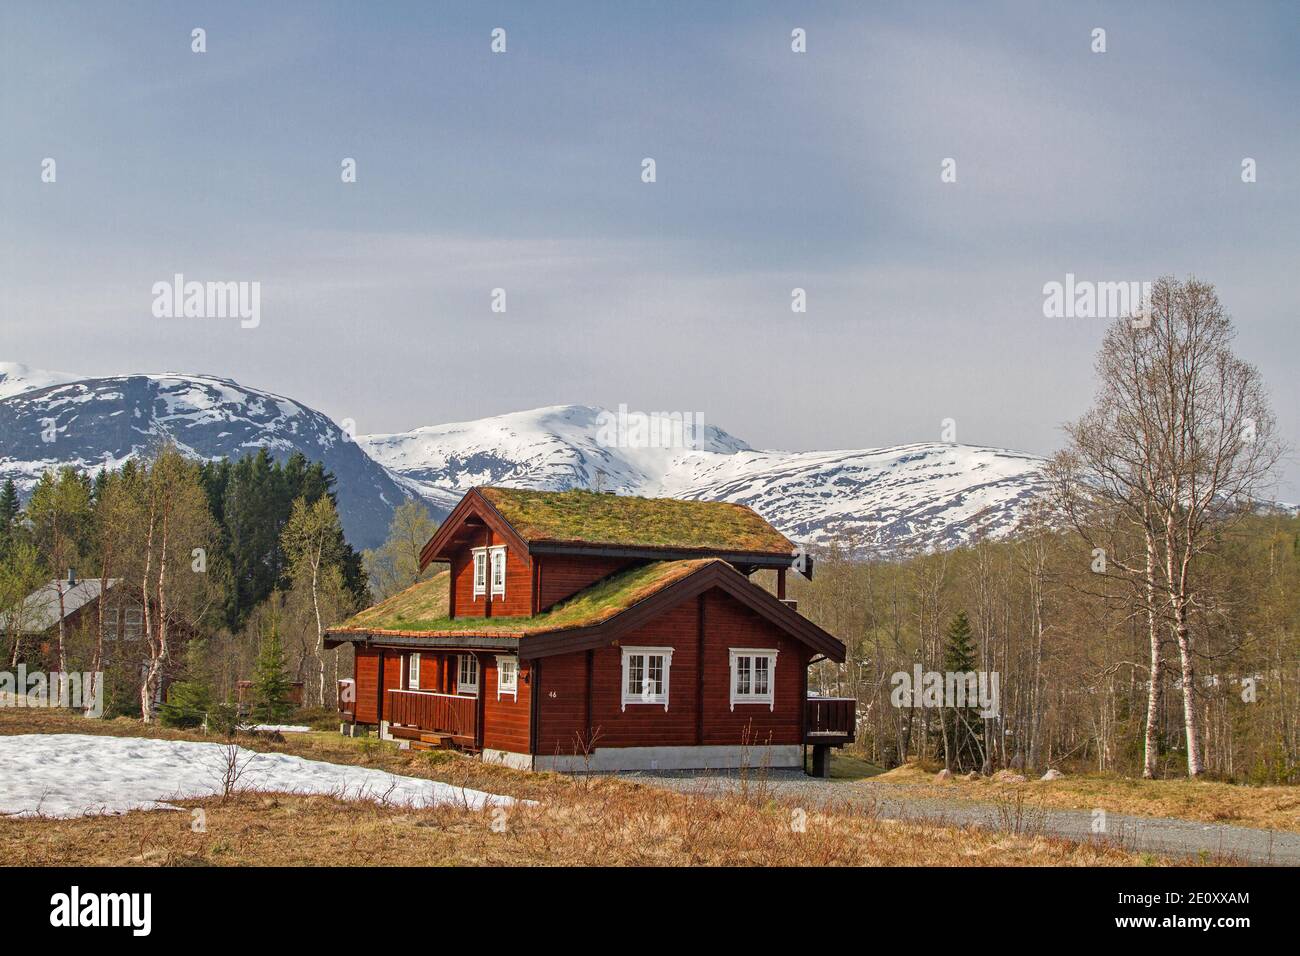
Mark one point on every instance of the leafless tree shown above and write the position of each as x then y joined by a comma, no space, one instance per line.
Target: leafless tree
1180,440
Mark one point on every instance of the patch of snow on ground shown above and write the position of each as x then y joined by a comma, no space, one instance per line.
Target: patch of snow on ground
73,775
281,728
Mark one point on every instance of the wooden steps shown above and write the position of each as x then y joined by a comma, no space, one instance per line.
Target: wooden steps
422,739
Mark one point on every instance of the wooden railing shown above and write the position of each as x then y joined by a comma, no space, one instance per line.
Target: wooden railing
829,718
445,713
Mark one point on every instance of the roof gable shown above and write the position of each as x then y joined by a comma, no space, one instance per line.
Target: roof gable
472,511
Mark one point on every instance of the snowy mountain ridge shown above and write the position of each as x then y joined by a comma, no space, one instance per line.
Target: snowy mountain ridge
925,495
48,420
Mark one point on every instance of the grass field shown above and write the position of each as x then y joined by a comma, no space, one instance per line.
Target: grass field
576,821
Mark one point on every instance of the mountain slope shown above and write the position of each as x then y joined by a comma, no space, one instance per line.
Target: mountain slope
16,378
887,499
909,496
94,422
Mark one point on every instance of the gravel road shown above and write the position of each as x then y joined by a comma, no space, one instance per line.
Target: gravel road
1163,835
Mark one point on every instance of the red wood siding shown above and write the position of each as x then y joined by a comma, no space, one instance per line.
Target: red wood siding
366,671
518,599
505,721
730,624
565,575
727,624
367,674
392,675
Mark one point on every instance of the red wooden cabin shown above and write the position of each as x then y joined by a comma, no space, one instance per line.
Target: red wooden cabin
579,629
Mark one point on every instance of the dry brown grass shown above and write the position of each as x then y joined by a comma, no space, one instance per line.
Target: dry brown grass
610,823
1265,808
576,821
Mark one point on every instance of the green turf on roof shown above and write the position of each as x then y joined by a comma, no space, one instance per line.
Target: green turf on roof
415,611
590,517
428,599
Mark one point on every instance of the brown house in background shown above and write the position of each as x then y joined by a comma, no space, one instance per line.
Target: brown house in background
577,628
123,622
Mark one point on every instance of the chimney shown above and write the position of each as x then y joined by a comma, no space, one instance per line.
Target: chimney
72,577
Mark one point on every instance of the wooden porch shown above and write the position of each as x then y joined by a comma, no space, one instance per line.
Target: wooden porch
830,721
433,719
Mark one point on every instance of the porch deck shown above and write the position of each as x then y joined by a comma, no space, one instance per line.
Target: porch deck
416,714
830,721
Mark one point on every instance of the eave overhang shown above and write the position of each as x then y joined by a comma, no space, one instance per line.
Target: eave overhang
416,640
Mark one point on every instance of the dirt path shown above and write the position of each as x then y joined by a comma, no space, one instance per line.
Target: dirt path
1163,835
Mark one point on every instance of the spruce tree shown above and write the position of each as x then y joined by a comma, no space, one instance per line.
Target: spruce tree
963,726
188,701
9,508
271,685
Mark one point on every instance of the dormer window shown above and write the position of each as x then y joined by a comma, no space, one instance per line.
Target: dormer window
490,563
480,572
498,572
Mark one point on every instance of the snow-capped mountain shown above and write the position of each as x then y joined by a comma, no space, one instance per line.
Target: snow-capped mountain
15,378
885,499
922,495
48,420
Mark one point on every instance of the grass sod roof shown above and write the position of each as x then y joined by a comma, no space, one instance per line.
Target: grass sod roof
421,610
591,517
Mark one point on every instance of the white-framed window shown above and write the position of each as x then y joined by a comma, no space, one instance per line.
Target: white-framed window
467,678
507,676
110,623
753,676
133,622
498,556
413,671
645,675
480,571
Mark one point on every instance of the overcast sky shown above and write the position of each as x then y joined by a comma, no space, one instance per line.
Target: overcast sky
522,171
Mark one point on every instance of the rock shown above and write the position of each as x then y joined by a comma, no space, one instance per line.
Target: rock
973,775
1052,775
1006,776
1017,762
944,774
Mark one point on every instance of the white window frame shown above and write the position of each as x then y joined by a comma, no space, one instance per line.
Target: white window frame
412,676
461,686
511,688
752,698
646,652
131,630
480,563
495,553
112,623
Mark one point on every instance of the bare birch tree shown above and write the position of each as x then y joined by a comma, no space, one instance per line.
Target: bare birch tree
1180,440
310,540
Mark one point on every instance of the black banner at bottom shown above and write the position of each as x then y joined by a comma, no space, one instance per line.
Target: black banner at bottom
143,907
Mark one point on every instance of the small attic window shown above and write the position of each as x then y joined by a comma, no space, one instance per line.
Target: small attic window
498,571
480,571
